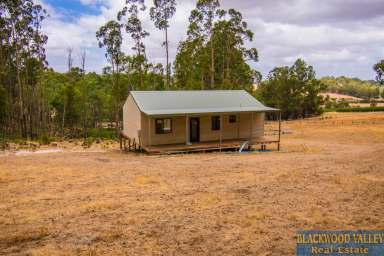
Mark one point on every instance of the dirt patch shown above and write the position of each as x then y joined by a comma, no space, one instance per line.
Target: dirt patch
327,176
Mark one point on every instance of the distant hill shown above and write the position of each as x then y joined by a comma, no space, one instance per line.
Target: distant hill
352,86
338,96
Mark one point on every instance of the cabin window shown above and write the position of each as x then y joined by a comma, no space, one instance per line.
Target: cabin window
215,123
163,126
232,119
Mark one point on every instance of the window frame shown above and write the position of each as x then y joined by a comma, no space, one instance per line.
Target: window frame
162,130
215,123
232,119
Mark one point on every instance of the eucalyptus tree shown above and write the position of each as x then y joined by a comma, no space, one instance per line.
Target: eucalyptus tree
67,89
239,32
84,91
161,13
293,89
257,77
23,58
230,34
202,23
129,16
38,112
110,37
379,69
229,38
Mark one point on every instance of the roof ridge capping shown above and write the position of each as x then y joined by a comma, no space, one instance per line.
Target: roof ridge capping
158,91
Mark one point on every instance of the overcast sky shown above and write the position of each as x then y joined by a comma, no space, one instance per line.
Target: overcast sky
337,37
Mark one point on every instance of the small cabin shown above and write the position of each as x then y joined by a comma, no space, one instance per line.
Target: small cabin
174,121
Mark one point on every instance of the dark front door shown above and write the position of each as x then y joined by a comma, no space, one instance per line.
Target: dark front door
194,129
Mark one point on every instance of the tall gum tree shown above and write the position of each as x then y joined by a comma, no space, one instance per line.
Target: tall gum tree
134,28
293,89
202,20
379,69
161,13
229,37
109,36
23,59
193,62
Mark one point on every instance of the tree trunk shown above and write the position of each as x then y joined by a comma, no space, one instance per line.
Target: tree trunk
202,80
223,68
21,100
19,85
212,66
167,51
227,57
117,114
140,66
84,121
84,114
63,122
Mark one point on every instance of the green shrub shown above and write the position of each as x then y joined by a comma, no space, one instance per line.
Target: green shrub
103,133
45,139
366,109
88,142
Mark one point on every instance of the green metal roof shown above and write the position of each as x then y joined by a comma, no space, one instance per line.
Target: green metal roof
196,102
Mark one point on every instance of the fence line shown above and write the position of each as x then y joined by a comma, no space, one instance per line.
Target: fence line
327,122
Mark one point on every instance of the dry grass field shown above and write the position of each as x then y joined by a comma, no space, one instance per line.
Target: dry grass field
365,105
329,175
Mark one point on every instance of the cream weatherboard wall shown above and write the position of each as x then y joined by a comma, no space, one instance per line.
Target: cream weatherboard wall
177,135
239,130
131,119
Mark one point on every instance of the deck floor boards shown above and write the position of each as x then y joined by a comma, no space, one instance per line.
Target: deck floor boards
204,146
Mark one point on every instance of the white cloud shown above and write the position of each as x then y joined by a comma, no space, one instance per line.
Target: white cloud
331,55
334,42
91,2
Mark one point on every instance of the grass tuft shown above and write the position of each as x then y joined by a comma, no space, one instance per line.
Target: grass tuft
25,237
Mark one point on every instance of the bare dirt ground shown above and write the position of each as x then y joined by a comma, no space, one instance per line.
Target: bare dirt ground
329,176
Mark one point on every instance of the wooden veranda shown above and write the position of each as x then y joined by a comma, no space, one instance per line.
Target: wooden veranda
270,137
207,146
